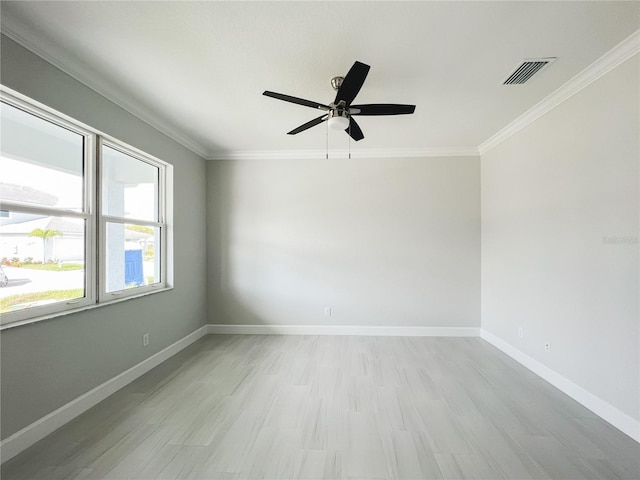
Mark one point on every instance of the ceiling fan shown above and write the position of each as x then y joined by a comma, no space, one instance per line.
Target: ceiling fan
340,113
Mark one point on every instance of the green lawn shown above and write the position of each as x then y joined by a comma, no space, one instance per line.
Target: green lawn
53,266
7,303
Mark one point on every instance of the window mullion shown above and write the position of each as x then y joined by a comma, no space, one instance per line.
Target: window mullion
100,240
90,207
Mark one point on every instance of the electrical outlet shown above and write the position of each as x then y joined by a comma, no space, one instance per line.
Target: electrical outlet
145,340
327,311
547,346
521,332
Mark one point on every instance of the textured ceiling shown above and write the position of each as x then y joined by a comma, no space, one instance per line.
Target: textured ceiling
197,70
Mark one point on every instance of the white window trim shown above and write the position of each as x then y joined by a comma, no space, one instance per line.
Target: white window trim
161,223
94,232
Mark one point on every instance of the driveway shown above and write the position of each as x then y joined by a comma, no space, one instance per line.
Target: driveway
26,280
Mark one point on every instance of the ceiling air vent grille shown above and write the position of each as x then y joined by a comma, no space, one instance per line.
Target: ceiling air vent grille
527,69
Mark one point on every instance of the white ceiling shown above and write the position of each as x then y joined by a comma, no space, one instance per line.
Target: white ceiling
197,70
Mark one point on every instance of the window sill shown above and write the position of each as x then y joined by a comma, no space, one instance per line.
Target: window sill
51,316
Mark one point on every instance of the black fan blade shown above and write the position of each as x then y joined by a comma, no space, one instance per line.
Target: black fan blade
307,125
383,109
352,83
299,101
354,130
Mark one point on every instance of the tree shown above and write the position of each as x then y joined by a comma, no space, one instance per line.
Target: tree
44,235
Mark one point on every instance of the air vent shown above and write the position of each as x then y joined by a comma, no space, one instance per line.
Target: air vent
527,69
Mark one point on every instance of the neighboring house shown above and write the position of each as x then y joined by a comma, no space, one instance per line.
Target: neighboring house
15,228
15,241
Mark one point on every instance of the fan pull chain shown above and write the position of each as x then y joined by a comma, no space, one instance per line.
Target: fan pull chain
327,140
349,139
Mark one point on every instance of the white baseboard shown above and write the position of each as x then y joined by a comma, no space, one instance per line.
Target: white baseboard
20,441
23,439
623,422
343,330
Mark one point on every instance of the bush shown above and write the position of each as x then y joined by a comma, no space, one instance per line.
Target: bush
27,260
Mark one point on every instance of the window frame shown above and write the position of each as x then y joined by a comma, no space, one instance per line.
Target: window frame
103,220
95,222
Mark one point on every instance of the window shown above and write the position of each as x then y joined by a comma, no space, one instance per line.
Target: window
83,216
132,220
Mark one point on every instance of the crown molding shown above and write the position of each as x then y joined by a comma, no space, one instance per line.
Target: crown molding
178,136
610,60
137,111
360,153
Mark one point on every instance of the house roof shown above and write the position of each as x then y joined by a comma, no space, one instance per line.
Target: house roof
26,225
22,194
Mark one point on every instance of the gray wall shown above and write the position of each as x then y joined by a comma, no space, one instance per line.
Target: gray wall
560,239
390,242
45,365
382,241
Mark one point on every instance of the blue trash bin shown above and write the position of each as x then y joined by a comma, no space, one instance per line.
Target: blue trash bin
133,272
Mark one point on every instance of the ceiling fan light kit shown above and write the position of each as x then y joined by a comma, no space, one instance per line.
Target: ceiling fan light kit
340,112
338,119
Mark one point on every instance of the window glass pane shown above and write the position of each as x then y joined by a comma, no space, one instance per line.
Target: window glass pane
42,260
129,186
132,257
40,163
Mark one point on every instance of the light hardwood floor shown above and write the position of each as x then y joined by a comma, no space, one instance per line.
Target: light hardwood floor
330,407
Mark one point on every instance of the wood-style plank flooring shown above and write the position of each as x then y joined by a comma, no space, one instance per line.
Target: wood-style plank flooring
331,407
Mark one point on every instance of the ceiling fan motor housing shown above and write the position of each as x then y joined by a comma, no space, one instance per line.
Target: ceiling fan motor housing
336,83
